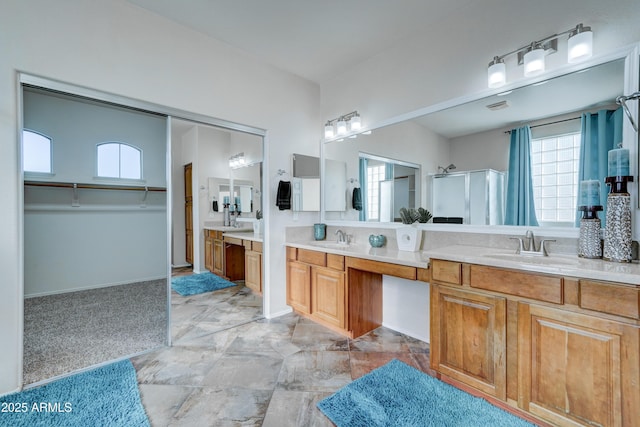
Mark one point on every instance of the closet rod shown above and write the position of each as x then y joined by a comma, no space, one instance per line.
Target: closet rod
93,186
550,123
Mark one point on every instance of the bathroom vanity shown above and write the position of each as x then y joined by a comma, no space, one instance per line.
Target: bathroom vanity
558,338
234,255
554,338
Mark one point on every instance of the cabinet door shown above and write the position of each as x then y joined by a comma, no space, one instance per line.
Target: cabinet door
328,296
253,271
208,253
188,217
577,369
468,341
218,257
299,286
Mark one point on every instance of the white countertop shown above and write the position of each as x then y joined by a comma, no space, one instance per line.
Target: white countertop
412,259
566,265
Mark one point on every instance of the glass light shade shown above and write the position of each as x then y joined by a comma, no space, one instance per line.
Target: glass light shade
355,123
341,127
534,62
496,74
580,46
328,131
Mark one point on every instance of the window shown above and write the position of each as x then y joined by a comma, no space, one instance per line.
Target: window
119,160
554,161
36,152
375,174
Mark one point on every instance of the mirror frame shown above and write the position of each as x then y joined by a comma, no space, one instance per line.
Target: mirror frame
629,53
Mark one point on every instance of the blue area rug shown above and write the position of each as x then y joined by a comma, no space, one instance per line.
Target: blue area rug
106,396
199,283
398,395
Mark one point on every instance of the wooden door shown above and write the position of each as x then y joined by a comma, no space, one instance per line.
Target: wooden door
468,338
328,296
253,271
299,286
577,369
188,212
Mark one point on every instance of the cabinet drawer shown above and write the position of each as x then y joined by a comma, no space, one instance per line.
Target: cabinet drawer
233,241
292,253
446,271
610,298
335,261
256,246
312,257
534,286
246,244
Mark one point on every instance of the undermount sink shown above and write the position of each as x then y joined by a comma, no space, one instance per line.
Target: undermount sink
551,261
329,245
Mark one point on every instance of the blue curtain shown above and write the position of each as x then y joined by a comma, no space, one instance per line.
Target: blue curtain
520,209
601,132
363,188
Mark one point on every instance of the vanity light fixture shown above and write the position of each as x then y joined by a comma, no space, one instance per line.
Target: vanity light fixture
237,161
579,48
342,125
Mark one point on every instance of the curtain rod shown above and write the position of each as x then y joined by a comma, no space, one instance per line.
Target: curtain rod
550,123
92,186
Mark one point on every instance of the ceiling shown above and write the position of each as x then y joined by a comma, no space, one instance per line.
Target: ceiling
318,40
312,39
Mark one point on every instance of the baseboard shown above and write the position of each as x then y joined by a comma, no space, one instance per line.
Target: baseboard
87,288
279,313
412,334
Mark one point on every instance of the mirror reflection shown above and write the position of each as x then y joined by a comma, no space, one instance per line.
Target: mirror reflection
239,200
559,119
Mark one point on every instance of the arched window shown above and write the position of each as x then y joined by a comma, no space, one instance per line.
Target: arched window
119,160
36,152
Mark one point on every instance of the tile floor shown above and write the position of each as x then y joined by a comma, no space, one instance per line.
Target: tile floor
262,372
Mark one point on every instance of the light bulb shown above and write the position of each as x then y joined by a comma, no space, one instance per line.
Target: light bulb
534,62
341,126
328,130
580,44
355,123
497,73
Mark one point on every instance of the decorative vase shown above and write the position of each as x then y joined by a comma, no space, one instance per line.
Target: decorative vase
409,238
618,238
377,241
319,231
589,243
257,226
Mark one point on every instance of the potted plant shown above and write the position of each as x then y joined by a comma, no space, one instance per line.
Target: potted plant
409,237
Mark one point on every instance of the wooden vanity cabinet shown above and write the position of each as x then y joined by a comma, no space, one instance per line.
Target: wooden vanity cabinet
468,338
563,349
208,250
253,266
328,295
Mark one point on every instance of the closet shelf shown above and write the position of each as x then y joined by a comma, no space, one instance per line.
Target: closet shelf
93,186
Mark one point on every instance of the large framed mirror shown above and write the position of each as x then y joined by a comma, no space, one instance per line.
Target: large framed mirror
466,147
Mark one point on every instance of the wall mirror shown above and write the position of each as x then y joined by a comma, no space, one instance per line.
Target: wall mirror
474,137
220,193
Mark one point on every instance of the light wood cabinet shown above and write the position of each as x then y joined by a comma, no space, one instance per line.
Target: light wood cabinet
298,289
253,270
468,338
577,369
218,255
208,250
565,350
188,213
328,296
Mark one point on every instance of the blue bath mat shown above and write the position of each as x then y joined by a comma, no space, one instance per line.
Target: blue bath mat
199,283
106,396
398,395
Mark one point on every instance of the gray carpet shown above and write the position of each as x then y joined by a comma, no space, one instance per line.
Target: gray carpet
70,331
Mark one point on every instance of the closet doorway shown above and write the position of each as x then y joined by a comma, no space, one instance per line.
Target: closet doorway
95,232
205,237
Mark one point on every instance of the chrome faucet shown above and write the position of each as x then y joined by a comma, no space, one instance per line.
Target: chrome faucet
530,247
342,238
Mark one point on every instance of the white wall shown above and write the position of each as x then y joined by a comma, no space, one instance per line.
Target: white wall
449,59
118,48
405,307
